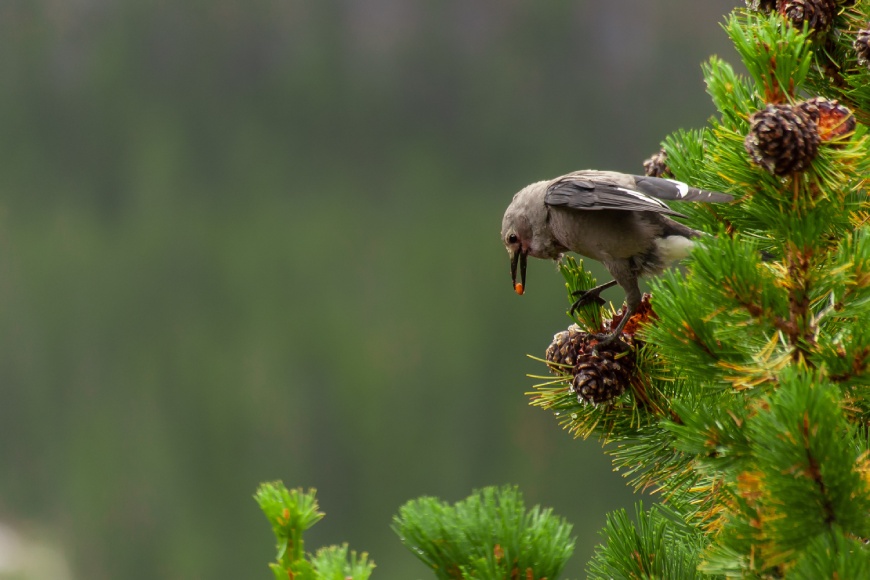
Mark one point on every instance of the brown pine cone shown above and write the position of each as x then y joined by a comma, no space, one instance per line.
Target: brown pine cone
817,14
602,375
562,353
782,139
657,165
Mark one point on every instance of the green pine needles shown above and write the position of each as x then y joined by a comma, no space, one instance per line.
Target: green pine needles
577,279
657,544
291,513
488,536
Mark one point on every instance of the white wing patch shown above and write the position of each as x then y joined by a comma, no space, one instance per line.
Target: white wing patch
682,188
642,196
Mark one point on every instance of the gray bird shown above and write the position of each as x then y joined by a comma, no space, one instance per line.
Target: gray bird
614,218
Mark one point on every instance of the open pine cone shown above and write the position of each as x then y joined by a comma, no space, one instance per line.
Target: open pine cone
640,316
600,373
817,14
761,5
657,165
832,119
563,351
782,138
603,374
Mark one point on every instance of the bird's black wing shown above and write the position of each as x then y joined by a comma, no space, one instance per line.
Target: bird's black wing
577,192
674,190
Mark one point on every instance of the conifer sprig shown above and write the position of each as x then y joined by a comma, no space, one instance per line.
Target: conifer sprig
292,513
490,534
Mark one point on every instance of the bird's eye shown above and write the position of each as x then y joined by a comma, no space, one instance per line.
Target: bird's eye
513,239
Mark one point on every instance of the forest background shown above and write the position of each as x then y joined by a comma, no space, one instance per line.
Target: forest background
253,240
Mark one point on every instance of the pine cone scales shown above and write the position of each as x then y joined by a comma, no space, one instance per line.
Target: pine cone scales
600,372
657,165
782,138
817,14
761,5
601,377
562,353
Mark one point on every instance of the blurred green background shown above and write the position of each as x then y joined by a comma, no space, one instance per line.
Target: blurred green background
250,240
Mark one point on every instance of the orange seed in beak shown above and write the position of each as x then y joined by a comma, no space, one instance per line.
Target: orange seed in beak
518,288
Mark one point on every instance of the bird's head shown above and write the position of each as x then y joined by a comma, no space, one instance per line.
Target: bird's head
524,230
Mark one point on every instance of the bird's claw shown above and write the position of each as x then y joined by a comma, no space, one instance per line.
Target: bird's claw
585,297
608,337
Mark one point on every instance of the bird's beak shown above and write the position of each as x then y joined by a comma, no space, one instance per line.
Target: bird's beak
519,256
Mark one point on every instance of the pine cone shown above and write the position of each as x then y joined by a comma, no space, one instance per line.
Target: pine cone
783,139
862,46
832,119
600,372
818,14
657,165
566,346
602,376
761,5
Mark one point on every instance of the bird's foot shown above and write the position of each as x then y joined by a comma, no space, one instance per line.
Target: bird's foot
593,295
605,338
584,297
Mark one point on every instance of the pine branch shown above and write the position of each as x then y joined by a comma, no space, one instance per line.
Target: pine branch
488,535
659,545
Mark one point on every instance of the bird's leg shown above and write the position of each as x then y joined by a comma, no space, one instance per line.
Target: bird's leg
633,299
592,295
605,338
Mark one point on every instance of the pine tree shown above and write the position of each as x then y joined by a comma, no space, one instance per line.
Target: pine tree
747,405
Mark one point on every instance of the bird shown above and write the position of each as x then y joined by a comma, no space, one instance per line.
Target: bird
614,218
